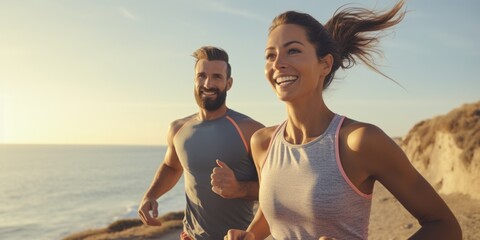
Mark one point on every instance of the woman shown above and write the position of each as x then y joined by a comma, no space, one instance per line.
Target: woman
318,169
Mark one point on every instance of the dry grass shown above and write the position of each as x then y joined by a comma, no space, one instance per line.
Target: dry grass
132,229
463,123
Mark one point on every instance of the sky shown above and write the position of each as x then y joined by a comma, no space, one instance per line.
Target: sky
118,72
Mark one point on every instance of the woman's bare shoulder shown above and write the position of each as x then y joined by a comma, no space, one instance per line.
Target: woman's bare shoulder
263,135
358,135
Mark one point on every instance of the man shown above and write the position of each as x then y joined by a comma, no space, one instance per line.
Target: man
212,148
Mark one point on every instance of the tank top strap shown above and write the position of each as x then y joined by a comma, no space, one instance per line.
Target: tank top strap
280,128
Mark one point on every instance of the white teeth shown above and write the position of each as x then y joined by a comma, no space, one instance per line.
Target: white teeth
208,93
285,79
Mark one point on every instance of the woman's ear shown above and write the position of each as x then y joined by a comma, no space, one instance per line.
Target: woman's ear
326,63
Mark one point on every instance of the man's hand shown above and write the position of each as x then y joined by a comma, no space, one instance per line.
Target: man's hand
234,234
149,205
224,182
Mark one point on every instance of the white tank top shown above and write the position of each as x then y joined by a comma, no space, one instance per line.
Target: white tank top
305,193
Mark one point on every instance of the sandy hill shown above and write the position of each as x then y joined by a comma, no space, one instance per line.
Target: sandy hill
446,150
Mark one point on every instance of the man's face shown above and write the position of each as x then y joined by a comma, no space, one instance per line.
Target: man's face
211,84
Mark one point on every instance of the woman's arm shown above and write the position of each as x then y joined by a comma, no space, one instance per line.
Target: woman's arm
258,228
386,162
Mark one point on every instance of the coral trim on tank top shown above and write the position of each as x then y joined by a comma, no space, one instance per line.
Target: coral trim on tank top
239,132
340,166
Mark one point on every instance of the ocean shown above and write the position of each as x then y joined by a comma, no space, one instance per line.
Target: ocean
50,191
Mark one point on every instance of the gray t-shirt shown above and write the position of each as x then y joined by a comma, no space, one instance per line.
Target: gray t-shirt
198,144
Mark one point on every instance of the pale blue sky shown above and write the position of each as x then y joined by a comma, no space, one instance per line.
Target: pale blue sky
118,72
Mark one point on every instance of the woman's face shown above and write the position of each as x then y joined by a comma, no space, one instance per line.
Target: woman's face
292,66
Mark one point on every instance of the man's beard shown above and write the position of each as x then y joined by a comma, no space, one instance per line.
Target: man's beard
208,103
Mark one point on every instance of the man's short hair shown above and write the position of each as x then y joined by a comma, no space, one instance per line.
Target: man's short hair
211,53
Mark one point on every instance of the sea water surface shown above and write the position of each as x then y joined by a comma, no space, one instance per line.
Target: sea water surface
50,191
